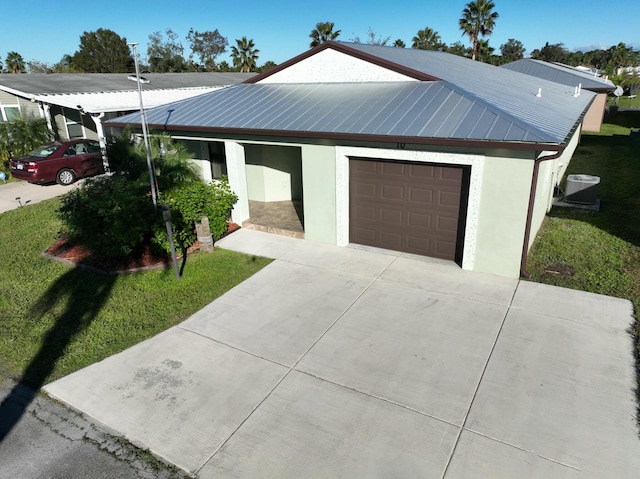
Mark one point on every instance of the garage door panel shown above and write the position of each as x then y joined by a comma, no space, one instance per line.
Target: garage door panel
393,216
391,169
453,174
422,195
422,171
366,189
393,192
407,207
391,240
445,249
449,199
367,213
417,219
447,225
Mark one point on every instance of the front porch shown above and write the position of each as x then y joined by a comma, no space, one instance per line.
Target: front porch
278,217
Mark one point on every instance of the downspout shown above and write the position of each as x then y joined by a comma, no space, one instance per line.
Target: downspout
532,199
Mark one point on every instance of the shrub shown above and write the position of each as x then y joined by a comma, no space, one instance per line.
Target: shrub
19,137
110,215
190,203
172,165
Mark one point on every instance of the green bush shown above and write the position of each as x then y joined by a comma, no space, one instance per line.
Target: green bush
110,215
190,203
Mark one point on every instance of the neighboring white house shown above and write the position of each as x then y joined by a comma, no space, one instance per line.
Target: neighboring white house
417,151
76,105
572,77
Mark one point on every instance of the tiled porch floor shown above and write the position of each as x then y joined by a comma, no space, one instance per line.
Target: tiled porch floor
278,217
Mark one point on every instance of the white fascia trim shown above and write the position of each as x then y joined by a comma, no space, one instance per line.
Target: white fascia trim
476,162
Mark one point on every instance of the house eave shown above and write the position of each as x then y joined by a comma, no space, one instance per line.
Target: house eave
400,141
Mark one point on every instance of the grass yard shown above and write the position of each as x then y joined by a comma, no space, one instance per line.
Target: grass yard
598,251
56,319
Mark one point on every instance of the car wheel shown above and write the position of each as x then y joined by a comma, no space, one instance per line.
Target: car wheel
65,177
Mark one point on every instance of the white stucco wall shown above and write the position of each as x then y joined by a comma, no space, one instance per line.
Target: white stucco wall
330,66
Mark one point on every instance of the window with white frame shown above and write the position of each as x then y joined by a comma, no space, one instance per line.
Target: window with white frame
9,112
73,123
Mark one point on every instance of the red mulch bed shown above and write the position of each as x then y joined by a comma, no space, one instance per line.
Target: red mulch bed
143,258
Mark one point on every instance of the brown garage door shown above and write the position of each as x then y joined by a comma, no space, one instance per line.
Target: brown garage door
409,207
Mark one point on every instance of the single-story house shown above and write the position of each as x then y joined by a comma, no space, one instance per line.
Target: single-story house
410,150
573,77
76,105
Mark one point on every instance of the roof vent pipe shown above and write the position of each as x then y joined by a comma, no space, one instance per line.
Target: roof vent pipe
539,94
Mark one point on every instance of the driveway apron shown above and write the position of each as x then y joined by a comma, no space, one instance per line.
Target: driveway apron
345,362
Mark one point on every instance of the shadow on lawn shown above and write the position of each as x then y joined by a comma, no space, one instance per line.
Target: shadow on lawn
83,296
616,160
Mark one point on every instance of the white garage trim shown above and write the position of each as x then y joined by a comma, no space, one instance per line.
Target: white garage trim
473,208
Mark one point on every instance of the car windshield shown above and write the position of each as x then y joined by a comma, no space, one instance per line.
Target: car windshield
43,151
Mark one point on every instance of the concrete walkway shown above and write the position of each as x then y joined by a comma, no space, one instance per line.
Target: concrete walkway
343,362
28,193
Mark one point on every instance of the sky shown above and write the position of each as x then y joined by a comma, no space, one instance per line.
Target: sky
45,30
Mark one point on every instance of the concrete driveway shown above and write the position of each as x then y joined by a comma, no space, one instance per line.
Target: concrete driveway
342,362
28,193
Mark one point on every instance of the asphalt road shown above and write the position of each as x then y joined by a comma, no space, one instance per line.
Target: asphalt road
40,438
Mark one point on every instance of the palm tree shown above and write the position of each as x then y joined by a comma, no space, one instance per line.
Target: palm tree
322,33
15,62
244,55
399,43
478,19
427,39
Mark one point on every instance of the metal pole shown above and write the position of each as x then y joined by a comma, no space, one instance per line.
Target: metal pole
145,135
166,215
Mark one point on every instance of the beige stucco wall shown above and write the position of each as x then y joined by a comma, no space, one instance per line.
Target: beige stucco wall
595,115
274,173
504,200
319,177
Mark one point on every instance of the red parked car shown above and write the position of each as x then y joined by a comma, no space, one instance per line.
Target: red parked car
62,162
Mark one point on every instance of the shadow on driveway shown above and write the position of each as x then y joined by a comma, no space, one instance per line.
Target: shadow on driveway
83,296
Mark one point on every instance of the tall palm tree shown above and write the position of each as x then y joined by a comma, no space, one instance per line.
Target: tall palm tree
244,54
478,19
427,39
322,33
15,62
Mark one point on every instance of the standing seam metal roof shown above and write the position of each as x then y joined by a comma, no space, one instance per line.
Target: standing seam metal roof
474,101
560,74
397,109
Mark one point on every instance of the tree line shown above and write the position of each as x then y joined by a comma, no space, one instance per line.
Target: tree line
104,51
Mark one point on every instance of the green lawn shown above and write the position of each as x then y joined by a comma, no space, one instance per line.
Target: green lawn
56,319
625,102
601,249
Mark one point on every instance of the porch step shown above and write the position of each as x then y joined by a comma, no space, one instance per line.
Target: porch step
270,229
